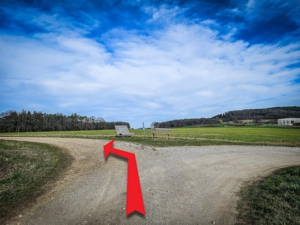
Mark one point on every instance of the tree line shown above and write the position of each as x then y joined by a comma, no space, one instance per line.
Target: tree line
25,121
236,116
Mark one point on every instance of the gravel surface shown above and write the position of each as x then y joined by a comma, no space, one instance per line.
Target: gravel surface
180,185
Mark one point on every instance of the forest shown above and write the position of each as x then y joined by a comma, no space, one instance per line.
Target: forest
236,116
25,121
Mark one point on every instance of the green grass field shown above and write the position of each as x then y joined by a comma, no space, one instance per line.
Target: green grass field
24,169
273,200
274,136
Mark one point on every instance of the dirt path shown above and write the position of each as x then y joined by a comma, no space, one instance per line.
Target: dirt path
181,185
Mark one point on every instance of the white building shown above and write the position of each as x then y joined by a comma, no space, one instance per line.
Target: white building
288,121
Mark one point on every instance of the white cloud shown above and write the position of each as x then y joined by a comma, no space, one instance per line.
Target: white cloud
250,5
181,71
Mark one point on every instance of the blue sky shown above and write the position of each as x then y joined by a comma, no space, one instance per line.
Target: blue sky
145,61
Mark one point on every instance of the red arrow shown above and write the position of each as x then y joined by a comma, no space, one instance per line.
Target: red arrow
134,200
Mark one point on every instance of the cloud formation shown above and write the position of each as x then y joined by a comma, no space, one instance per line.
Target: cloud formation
138,62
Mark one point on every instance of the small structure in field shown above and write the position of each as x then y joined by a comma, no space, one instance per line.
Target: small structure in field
122,131
288,121
161,130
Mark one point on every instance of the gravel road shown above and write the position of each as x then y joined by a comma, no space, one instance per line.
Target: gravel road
180,185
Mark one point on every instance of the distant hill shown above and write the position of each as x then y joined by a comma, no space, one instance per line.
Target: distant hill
268,113
237,116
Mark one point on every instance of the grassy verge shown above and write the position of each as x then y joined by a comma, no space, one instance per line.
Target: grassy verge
26,170
273,200
273,136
